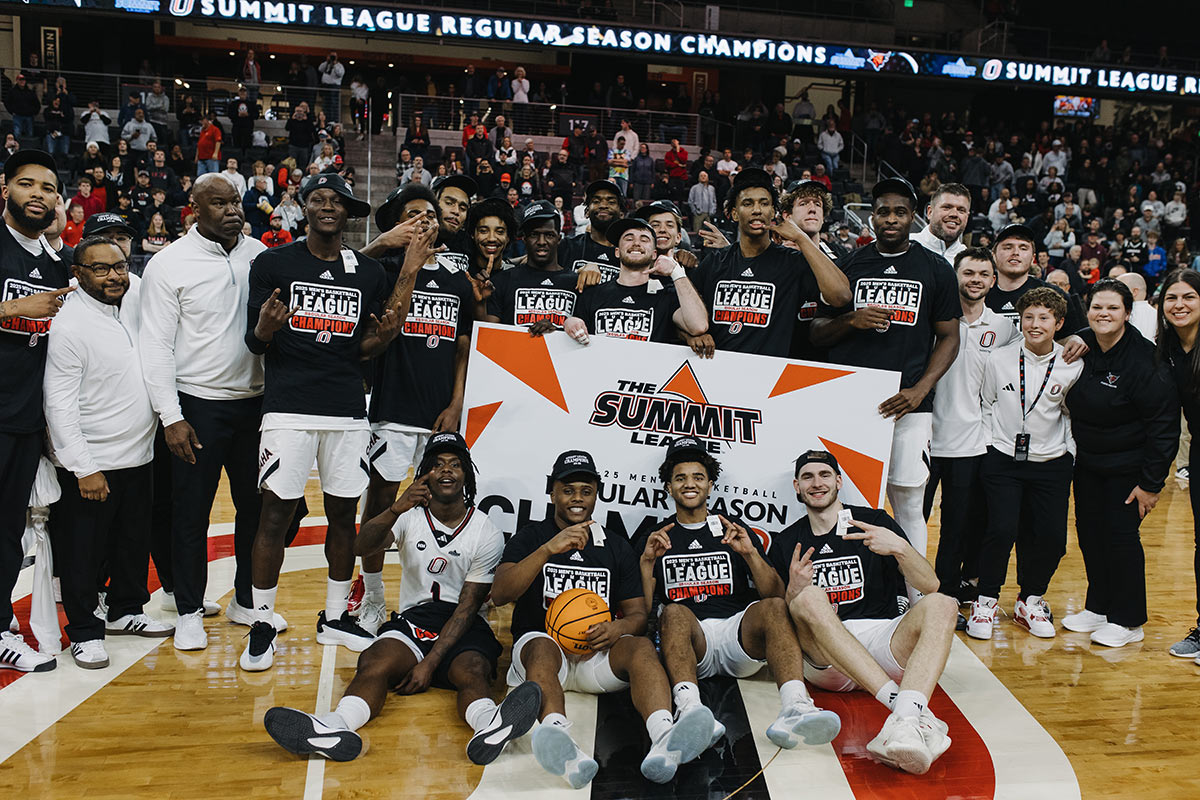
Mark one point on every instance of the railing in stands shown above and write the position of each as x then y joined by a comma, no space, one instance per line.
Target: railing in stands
859,153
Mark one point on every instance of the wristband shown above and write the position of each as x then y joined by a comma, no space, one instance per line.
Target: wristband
678,272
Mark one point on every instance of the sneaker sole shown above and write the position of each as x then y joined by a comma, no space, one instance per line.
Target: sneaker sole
1193,655
1032,632
692,733
142,634
1130,640
263,664
517,713
90,664
555,750
914,761
329,635
814,729
293,731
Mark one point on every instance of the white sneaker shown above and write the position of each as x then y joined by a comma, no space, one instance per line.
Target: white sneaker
371,615
901,745
13,625
240,615
803,720
101,611
1114,635
15,654
259,654
211,609
558,754
1084,622
718,732
139,625
687,738
934,731
983,617
1033,614
189,632
344,631
90,654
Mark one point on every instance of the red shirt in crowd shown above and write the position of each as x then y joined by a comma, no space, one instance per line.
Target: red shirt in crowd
676,161
90,204
276,238
206,143
72,233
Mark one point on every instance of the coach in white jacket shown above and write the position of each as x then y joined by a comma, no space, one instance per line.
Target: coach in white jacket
206,387
101,430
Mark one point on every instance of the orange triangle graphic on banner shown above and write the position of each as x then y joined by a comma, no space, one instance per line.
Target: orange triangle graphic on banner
862,470
478,419
797,376
524,357
684,384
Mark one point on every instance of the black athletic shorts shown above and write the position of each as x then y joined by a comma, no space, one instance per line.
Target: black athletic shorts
420,625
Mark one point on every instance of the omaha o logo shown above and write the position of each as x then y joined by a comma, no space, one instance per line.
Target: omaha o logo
992,68
437,566
432,342
735,327
181,8
324,337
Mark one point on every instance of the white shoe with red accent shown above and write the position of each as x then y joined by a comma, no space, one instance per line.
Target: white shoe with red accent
1033,614
901,745
982,619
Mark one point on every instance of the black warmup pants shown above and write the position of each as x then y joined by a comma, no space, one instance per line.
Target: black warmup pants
116,532
160,514
1194,496
228,433
1111,546
964,520
1046,488
19,454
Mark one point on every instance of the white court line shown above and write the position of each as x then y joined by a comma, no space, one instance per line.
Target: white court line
314,779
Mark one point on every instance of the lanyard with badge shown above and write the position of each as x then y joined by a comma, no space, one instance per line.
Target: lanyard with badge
1021,450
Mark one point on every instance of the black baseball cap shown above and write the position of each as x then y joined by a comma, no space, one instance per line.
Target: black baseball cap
356,208
604,184
23,157
685,444
574,462
819,457
388,214
446,442
894,186
539,211
657,207
464,182
104,221
1015,231
619,227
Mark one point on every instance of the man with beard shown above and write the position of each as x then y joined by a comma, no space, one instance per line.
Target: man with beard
604,203
441,636
206,388
949,210
1015,249
755,289
315,310
636,305
855,625
33,282
538,294
101,426
904,315
452,196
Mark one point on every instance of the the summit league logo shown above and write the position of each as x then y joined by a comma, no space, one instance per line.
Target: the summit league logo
680,407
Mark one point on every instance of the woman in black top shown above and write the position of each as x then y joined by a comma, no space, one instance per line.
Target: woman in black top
1125,420
1178,326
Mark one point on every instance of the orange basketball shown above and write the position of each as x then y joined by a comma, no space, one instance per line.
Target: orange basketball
571,614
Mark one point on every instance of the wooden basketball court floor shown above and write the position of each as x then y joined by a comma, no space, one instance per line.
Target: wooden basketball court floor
1030,718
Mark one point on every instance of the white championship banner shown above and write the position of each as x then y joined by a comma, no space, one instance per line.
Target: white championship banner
528,399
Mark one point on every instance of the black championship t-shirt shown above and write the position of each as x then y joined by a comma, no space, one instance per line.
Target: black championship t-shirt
860,584
23,340
610,570
629,312
753,303
802,347
1004,303
414,380
579,251
919,288
703,573
312,363
524,295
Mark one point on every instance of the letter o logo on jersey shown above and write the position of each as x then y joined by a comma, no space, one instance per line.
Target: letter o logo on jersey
324,337
736,327
1055,390
433,341
437,566
181,8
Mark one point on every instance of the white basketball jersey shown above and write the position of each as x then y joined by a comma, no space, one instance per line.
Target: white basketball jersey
437,560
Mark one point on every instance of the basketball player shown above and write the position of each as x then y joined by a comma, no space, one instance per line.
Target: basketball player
667,221
636,305
568,551
605,204
948,211
448,554
807,204
904,315
846,595
755,289
538,293
314,310
420,379
721,609
452,197
490,228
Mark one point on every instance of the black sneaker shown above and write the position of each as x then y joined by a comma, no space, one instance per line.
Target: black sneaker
304,734
259,654
961,624
345,631
514,717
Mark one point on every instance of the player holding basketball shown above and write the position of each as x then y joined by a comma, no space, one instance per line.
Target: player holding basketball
448,554
570,551
846,595
702,572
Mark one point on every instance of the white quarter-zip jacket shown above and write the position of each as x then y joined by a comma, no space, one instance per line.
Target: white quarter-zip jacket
97,408
194,321
958,431
1048,425
935,245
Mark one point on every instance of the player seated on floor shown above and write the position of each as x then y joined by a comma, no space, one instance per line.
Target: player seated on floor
846,569
448,555
571,551
707,575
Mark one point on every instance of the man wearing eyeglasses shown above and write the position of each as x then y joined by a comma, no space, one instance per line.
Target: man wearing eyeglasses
101,427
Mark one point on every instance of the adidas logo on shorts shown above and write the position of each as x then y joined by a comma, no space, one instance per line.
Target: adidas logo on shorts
326,275
890,271
576,557
695,545
824,550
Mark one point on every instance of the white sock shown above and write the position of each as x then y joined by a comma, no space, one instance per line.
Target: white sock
910,704
887,694
336,595
372,586
686,694
658,723
792,692
480,713
351,714
264,603
554,718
